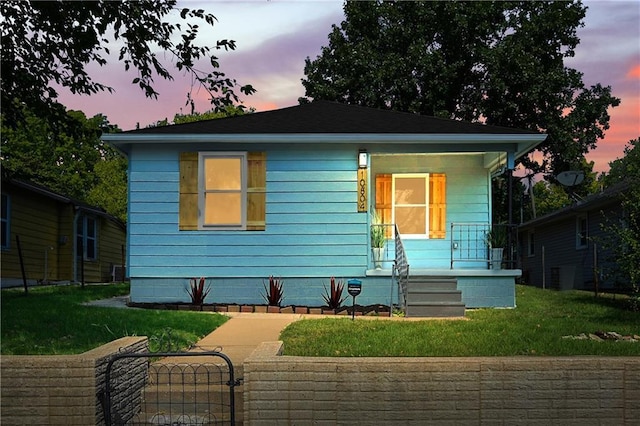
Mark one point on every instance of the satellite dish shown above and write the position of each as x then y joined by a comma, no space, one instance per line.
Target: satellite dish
570,178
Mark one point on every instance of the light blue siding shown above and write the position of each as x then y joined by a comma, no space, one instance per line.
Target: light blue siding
313,230
485,292
306,291
313,227
468,199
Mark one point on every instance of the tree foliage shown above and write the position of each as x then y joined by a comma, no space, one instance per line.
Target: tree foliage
47,44
622,234
180,118
73,162
497,62
625,168
110,187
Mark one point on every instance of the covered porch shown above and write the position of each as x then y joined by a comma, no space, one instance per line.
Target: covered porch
474,278
431,230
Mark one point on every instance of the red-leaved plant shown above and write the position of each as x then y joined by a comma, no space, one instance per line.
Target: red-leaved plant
198,290
334,298
274,294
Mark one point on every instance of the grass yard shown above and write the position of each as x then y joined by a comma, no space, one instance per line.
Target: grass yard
535,328
52,320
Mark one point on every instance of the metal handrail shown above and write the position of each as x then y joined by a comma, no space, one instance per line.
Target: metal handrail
400,267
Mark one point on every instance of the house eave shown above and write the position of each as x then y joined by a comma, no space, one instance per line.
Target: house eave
519,144
591,203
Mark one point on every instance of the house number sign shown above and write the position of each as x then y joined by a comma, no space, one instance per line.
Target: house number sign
362,190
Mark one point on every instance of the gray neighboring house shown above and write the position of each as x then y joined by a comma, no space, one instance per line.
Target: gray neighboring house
560,250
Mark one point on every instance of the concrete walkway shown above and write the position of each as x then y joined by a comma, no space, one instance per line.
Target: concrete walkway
239,336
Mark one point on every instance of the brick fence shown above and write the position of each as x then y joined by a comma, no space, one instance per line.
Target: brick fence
62,389
485,390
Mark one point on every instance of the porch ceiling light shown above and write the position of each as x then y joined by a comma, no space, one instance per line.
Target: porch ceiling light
362,159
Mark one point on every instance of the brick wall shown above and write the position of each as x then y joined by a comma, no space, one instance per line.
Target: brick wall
500,390
60,389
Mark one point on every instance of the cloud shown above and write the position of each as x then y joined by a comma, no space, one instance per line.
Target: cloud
609,54
274,38
275,66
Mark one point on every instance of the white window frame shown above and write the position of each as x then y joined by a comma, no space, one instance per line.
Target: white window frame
582,241
425,177
86,240
202,156
6,221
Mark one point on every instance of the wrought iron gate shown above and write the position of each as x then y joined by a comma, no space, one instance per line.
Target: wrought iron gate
165,392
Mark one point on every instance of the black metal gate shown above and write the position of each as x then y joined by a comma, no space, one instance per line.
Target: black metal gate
170,391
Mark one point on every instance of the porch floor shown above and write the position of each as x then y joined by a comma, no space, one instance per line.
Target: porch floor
386,272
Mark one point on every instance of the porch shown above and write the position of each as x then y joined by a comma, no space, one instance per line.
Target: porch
474,278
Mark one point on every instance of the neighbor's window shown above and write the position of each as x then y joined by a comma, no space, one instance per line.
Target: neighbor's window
222,190
415,202
87,238
5,221
581,232
531,243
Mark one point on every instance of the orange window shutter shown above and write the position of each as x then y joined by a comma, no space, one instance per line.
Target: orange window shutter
256,191
437,205
383,199
188,209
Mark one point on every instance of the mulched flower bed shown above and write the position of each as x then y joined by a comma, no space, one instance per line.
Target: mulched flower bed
371,310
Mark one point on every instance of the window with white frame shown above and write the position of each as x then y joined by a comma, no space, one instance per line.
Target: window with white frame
222,189
87,237
415,202
410,204
582,234
5,222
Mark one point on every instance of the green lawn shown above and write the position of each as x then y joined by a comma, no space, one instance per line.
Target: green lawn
52,320
534,328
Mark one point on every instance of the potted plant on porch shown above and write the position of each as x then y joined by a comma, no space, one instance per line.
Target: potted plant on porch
497,241
378,239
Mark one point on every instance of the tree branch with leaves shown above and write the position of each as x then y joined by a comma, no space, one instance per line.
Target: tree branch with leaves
47,42
501,63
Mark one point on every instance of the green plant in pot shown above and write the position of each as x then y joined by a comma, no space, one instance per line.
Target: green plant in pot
497,240
378,239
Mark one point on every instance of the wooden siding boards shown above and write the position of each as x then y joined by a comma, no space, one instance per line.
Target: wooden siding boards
35,220
313,230
561,256
47,224
566,266
468,196
312,226
312,223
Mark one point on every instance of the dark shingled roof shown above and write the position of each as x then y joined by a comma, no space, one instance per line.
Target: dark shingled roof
330,117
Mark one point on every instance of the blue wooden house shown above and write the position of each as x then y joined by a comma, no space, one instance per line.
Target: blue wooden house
292,193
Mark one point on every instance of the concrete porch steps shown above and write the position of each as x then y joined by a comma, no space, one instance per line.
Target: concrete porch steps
433,297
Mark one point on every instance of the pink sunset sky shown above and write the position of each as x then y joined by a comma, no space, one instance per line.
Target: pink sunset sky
274,38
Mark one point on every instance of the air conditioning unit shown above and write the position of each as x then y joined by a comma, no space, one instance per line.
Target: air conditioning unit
118,273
